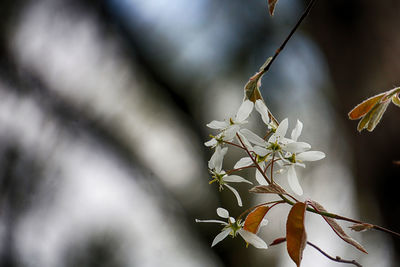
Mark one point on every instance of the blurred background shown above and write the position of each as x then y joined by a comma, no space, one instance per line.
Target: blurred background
103,106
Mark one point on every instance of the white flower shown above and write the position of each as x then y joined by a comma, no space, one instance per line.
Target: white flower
277,144
296,158
233,227
220,176
228,129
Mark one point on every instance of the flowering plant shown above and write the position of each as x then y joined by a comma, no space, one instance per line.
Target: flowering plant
276,152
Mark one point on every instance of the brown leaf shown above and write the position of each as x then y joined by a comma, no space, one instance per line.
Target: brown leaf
364,107
252,87
268,189
254,219
361,227
336,227
278,241
271,6
296,236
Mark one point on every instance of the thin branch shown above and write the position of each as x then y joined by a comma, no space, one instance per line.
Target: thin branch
232,144
253,159
337,258
239,169
277,52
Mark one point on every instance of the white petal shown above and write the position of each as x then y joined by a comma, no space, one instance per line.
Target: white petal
230,132
260,151
211,143
293,181
239,200
297,130
211,221
297,147
252,239
221,236
252,137
215,163
219,125
243,162
232,220
263,110
310,156
235,179
260,178
264,222
223,213
244,111
300,164
282,128
244,140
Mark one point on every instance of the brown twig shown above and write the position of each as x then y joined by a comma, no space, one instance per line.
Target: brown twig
337,258
279,50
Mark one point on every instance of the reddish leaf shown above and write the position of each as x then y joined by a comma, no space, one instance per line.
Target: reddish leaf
278,241
296,236
337,228
254,219
364,107
268,189
271,6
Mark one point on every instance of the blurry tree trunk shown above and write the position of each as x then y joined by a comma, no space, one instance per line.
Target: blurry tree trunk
361,42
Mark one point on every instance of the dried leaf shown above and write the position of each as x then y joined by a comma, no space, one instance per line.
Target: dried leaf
252,87
396,100
365,106
361,227
278,241
268,189
254,219
295,232
337,228
271,6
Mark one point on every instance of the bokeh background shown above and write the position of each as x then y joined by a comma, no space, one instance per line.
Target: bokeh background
103,106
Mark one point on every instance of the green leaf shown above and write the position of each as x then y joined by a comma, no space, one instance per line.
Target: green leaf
396,100
377,115
296,236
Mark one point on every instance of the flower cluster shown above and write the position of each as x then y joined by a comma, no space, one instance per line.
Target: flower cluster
274,150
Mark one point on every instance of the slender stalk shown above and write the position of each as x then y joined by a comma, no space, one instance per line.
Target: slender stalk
272,167
239,169
253,159
233,144
337,258
277,52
